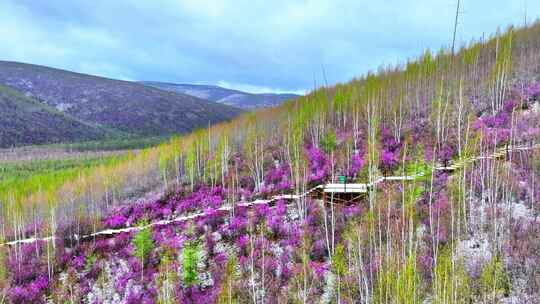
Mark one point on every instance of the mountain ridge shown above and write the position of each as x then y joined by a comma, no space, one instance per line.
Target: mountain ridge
123,106
27,121
223,95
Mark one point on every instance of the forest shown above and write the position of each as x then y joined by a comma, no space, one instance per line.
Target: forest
221,215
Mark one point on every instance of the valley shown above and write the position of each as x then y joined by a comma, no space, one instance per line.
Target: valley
417,183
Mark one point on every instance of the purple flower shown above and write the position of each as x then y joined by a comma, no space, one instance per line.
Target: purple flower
478,124
238,223
318,163
115,221
78,261
281,208
357,163
242,241
221,259
510,105
351,211
530,92
389,159
275,224
262,210
319,269
446,153
30,293
277,178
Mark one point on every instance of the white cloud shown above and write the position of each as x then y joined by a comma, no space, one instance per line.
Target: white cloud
257,45
256,89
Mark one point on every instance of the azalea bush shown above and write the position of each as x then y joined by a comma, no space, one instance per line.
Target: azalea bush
210,234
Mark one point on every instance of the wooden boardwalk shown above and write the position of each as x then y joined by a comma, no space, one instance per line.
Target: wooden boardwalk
344,188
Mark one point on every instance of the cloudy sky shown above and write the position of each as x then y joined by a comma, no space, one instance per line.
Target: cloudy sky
270,45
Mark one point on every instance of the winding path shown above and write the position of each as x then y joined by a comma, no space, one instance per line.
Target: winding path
498,153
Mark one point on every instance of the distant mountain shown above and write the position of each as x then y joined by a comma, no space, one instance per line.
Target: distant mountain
25,121
230,97
120,106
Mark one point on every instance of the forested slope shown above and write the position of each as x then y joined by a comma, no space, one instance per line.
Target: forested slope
446,236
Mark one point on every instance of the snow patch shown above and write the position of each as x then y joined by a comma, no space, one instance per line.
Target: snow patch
62,107
204,94
474,253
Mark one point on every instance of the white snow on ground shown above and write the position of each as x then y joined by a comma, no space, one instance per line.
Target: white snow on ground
536,107
104,291
204,94
62,107
520,211
474,253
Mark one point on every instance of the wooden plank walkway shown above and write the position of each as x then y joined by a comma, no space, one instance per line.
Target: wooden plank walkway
345,188
326,188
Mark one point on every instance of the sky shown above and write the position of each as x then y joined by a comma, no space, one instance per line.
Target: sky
251,45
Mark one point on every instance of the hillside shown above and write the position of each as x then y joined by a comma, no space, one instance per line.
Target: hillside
445,152
26,121
221,95
124,106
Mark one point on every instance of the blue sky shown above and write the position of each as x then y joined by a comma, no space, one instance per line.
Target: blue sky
271,45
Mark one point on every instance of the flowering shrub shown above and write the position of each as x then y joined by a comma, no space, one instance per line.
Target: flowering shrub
446,153
399,236
277,179
357,163
389,159
391,150
115,221
28,274
527,91
319,165
32,292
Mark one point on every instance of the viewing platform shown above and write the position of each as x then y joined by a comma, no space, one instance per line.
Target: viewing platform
345,188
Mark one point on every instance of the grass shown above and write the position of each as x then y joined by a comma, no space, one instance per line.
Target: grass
22,170
121,143
21,180
403,249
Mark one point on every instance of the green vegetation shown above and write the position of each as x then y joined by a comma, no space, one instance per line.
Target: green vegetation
3,270
25,169
328,142
143,243
167,279
494,280
450,280
398,283
190,256
339,267
418,167
121,143
40,179
227,293
89,261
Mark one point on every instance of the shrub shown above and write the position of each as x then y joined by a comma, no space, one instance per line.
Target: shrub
493,279
400,283
143,243
3,270
328,142
389,160
190,256
227,292
357,163
319,165
450,282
